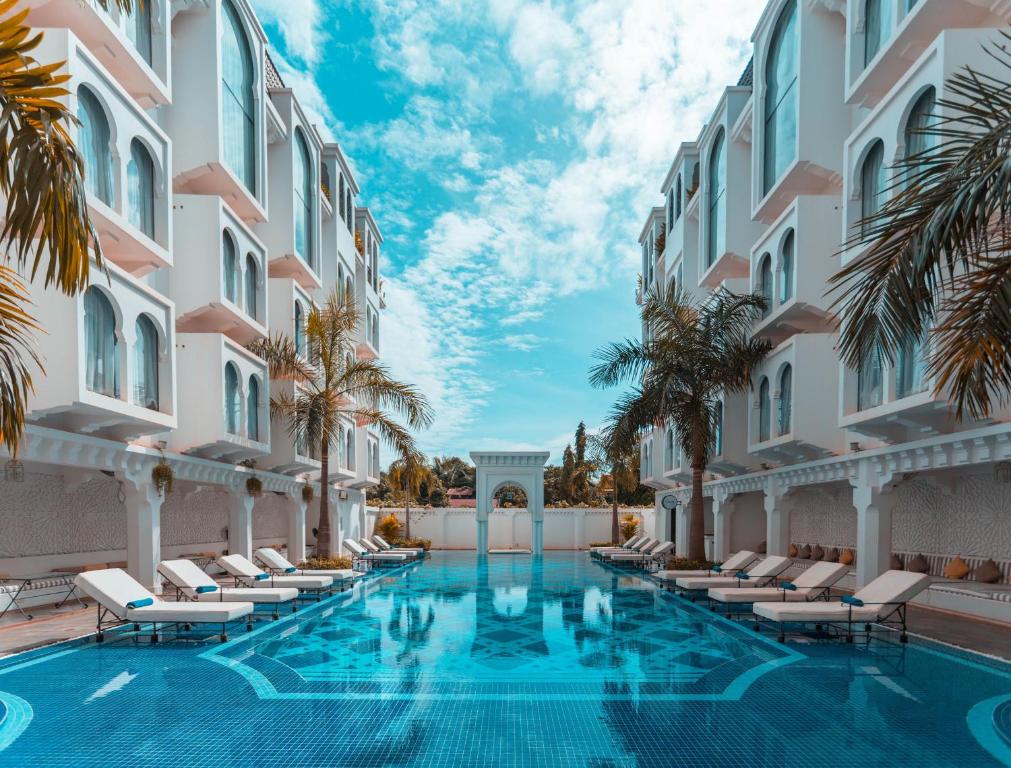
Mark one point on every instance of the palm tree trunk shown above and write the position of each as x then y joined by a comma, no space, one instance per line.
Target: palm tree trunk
323,529
697,527
407,516
615,533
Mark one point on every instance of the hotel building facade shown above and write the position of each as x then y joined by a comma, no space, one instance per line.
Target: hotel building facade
224,216
818,455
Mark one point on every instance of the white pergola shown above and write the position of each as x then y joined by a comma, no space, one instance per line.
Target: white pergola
498,468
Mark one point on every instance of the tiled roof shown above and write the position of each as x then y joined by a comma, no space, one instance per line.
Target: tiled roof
747,76
273,76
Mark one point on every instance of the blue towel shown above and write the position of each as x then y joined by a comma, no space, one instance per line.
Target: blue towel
742,575
290,569
850,600
205,588
789,585
260,576
717,569
140,603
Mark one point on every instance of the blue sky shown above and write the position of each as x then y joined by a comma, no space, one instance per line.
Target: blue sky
510,151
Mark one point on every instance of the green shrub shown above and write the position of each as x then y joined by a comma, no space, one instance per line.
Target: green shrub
389,526
412,543
326,564
684,564
602,544
629,526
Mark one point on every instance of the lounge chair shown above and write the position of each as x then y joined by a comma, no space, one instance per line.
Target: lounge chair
654,556
247,574
732,564
385,546
812,584
376,550
191,582
279,565
627,546
882,601
119,594
641,548
360,554
761,574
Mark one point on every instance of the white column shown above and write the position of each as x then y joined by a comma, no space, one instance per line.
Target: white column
682,526
511,516
723,508
874,506
777,518
482,537
240,523
296,530
143,530
538,537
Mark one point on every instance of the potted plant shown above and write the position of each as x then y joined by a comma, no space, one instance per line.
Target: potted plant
161,476
254,485
307,493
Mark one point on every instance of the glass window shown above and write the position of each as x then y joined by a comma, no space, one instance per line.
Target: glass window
764,412
786,270
140,194
877,26
349,448
253,409
138,29
911,368
340,194
872,184
233,406
870,381
719,429
780,129
785,400
349,287
668,456
101,344
229,268
146,364
917,141
299,329
93,142
765,283
238,112
717,201
303,199
351,212
677,198
251,279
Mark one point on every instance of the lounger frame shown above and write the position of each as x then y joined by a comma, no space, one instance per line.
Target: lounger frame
103,624
895,619
742,576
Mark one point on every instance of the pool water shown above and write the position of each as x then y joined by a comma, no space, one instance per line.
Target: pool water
507,661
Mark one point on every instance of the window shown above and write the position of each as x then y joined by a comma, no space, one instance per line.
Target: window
911,368
785,400
340,194
238,105
917,142
765,283
349,448
668,455
138,29
877,26
670,209
140,192
229,268
101,344
909,4
303,199
351,213
718,441
786,269
716,244
145,366
232,403
764,411
780,131
677,198
870,381
253,409
251,279
340,277
872,185
93,142
299,329
375,460
349,288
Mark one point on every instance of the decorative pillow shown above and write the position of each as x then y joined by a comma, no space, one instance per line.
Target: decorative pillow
832,556
956,569
761,548
987,573
846,557
918,564
793,550
805,552
895,564
817,553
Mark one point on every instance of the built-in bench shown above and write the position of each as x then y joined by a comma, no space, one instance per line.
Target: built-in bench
988,601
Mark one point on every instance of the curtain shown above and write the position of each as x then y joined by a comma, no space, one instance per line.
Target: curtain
253,409
146,364
93,143
251,280
101,346
237,108
140,192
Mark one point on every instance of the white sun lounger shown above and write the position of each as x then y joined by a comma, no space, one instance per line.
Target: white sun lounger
375,549
761,574
245,573
733,564
118,594
191,582
643,547
362,555
655,555
277,564
882,601
812,584
627,546
385,546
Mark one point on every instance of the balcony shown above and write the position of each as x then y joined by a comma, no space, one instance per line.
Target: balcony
651,461
911,34
730,454
791,396
367,464
225,388
367,346
138,238
289,306
116,380
220,280
139,62
287,455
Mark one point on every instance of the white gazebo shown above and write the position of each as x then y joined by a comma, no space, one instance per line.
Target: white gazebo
498,468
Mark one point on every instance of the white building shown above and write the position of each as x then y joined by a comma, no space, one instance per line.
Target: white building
224,216
869,461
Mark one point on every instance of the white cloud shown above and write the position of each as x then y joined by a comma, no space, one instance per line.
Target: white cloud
522,342
301,26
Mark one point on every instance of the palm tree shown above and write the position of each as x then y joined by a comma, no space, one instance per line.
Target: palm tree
695,354
938,252
334,385
452,471
606,450
409,473
46,224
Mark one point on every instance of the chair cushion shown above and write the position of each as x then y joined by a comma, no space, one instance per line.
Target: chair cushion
956,568
761,548
846,557
805,552
793,550
895,563
832,556
817,553
987,573
918,564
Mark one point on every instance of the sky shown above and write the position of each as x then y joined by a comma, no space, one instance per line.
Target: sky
510,152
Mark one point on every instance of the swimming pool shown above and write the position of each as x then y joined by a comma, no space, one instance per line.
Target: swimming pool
512,661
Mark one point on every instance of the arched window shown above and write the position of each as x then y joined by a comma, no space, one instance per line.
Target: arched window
101,344
375,460
717,200
786,269
233,406
718,436
670,209
785,400
303,199
917,141
349,448
340,194
911,367
299,329
145,365
252,278
877,26
764,411
780,129
668,455
351,212
349,287
238,111
870,381
140,192
765,283
229,268
93,142
138,29
872,184
253,409
677,198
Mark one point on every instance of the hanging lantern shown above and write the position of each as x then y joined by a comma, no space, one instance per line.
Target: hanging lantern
14,471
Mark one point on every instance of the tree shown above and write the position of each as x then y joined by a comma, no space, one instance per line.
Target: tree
567,481
46,224
409,473
453,472
332,386
621,459
696,353
938,263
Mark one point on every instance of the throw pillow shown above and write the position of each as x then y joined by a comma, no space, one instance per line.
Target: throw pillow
918,564
956,568
895,564
817,553
846,557
832,556
987,573
793,550
805,552
761,548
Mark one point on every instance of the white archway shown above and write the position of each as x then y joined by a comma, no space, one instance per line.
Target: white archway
498,468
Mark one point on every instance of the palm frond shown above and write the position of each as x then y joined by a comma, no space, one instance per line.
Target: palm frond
16,348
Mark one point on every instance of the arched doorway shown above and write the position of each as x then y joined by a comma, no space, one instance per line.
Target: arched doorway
497,470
